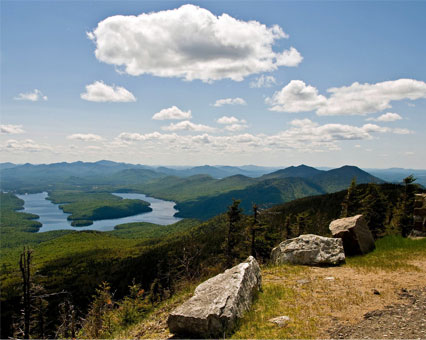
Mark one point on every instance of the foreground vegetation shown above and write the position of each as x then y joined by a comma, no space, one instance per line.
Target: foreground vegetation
159,260
302,293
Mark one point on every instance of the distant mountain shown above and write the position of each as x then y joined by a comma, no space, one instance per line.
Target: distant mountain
213,171
396,175
45,174
302,171
6,165
277,187
265,193
340,178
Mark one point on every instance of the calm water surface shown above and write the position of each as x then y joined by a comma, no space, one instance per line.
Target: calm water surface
54,218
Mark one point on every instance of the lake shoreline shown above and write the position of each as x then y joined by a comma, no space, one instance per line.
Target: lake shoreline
52,217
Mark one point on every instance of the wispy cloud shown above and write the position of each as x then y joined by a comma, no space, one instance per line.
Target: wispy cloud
85,137
11,129
263,81
34,96
229,101
386,117
186,125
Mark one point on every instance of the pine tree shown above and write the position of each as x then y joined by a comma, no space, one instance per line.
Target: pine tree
350,203
233,233
405,207
373,208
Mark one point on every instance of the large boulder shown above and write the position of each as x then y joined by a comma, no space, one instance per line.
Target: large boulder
309,250
217,303
355,234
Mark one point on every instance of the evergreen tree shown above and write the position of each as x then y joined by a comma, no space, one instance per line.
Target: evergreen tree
254,228
350,204
405,207
96,324
234,231
301,224
373,208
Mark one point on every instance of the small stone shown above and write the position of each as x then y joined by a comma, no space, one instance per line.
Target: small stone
376,292
330,278
280,321
303,281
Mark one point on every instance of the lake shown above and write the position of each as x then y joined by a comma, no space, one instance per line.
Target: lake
53,218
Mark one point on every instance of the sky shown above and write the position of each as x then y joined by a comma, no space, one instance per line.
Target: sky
272,83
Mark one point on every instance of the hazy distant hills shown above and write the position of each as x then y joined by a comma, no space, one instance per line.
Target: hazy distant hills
293,171
276,188
200,192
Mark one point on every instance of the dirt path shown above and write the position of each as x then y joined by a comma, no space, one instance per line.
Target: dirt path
406,320
339,297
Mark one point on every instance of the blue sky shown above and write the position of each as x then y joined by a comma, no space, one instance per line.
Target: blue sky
227,82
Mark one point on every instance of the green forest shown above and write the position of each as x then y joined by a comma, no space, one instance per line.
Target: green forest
138,265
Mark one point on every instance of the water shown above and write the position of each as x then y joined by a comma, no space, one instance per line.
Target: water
54,218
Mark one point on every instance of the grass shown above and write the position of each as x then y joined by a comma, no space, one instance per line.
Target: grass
391,253
153,325
311,306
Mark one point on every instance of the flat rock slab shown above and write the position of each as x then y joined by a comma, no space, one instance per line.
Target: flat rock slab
355,234
309,249
217,303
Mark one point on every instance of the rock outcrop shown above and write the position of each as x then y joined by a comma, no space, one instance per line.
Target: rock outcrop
355,234
309,250
217,303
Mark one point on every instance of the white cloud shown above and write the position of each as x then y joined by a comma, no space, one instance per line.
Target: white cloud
100,92
386,117
186,125
232,123
302,135
191,43
85,137
361,99
400,131
356,99
11,129
27,145
289,58
236,127
228,120
33,96
229,101
296,96
172,113
263,81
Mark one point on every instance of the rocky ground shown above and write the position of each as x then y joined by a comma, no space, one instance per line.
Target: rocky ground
405,320
344,302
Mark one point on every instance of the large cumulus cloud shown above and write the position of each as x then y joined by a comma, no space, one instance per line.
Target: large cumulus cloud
191,43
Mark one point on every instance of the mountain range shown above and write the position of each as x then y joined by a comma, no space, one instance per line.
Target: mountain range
200,192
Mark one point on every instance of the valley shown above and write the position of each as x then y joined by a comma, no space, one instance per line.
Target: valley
182,243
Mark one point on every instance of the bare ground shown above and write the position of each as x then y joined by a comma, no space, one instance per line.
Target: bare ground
339,297
344,302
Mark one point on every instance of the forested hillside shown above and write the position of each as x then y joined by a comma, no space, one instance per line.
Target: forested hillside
160,259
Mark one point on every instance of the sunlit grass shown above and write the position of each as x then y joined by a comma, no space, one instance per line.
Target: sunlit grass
391,253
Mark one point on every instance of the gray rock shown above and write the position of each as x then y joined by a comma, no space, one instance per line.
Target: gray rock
309,250
217,303
355,234
280,321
